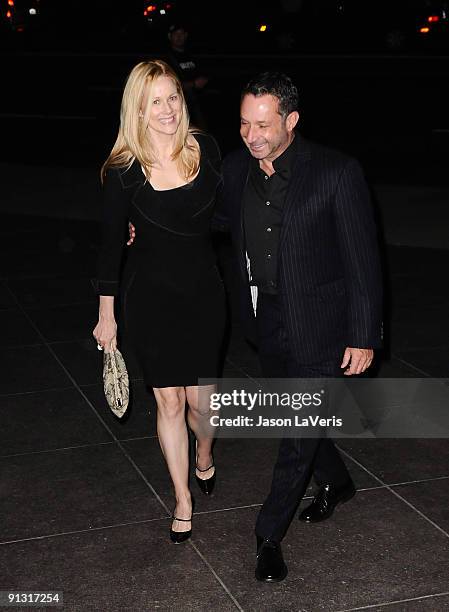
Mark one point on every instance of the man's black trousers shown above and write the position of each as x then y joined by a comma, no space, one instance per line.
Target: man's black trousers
298,458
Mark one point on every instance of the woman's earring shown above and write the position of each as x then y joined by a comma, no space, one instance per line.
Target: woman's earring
140,114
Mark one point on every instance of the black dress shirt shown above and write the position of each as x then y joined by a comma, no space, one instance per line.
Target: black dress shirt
263,202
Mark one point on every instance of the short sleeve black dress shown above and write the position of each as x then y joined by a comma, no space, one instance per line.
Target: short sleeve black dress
171,294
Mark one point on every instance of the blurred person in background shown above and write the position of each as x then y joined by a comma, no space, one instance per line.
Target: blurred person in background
186,66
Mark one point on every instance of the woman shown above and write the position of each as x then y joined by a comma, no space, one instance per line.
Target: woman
162,176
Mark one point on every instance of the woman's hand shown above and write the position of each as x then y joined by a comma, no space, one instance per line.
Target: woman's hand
105,333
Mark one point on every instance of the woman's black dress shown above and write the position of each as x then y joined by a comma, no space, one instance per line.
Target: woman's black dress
172,296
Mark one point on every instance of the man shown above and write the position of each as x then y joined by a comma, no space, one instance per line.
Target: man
309,285
186,67
303,231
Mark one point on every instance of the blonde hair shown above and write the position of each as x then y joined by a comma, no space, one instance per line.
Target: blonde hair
133,140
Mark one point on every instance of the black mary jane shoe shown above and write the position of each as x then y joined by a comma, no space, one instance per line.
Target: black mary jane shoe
324,503
177,537
206,486
270,566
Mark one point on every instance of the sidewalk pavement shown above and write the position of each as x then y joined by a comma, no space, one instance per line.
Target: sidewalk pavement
86,499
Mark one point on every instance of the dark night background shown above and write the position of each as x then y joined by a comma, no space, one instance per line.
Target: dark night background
370,83
85,498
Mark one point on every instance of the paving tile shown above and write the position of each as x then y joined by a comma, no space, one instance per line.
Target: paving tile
418,263
64,323
230,371
404,460
28,234
235,486
432,292
431,498
85,362
48,420
363,555
81,488
433,603
39,237
46,246
418,327
6,298
129,568
46,263
16,329
392,368
244,471
242,357
140,417
432,361
31,368
34,292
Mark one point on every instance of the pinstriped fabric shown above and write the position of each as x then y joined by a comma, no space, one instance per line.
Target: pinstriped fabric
329,272
329,275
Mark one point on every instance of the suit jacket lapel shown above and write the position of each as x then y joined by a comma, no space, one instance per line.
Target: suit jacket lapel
293,198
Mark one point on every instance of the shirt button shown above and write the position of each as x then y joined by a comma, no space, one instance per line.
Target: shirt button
268,203
268,229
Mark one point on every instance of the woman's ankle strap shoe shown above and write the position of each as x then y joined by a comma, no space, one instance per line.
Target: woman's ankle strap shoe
206,485
177,537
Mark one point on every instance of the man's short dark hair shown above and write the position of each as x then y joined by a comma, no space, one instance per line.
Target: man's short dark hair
275,84
177,25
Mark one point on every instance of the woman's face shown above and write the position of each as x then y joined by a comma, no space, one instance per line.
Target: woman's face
165,106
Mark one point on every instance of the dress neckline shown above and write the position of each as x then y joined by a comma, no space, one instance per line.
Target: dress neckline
172,188
147,180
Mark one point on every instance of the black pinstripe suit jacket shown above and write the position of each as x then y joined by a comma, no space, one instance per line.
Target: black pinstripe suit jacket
329,277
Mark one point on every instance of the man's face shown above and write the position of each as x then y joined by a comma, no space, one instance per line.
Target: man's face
178,38
264,131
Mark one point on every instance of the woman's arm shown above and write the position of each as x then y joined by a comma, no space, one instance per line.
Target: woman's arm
105,332
114,223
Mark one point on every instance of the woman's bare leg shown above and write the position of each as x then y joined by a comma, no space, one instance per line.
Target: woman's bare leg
173,439
198,416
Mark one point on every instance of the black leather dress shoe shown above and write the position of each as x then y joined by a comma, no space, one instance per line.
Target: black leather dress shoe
270,565
325,501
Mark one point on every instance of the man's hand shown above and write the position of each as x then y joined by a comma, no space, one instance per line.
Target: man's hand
358,360
132,234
